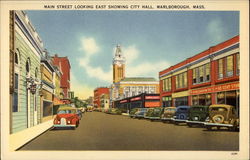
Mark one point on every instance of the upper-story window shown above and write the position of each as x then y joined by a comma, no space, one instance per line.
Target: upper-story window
237,63
181,80
226,66
201,74
167,84
229,66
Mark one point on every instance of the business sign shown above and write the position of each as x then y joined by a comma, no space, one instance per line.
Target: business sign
152,104
218,88
124,101
152,97
135,99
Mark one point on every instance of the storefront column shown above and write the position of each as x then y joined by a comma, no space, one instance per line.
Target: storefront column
213,98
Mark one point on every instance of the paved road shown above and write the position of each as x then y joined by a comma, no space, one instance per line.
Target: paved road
100,131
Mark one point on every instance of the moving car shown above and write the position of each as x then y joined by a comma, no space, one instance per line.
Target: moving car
132,112
181,114
156,114
168,114
222,115
140,113
66,117
197,115
148,113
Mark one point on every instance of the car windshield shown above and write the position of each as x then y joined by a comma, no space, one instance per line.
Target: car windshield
143,109
182,109
219,109
66,112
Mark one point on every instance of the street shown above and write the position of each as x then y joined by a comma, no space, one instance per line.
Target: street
100,131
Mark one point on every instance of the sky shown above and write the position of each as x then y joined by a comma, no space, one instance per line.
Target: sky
151,41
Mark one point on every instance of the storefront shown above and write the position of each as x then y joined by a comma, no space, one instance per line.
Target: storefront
140,101
180,98
167,101
219,94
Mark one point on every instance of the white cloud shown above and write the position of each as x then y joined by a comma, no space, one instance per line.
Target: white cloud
146,69
131,53
89,45
215,30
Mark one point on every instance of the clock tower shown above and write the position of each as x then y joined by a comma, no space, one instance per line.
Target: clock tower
118,65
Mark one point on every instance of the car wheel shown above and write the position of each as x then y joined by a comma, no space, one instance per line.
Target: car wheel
218,118
176,123
190,125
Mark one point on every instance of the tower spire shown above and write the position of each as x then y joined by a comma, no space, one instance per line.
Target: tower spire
118,65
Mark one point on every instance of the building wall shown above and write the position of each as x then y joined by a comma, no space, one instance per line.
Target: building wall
25,51
97,95
47,93
64,64
200,75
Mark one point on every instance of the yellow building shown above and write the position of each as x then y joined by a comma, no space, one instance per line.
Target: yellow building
123,86
47,91
58,92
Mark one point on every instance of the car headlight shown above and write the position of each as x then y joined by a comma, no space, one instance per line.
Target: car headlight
174,116
68,121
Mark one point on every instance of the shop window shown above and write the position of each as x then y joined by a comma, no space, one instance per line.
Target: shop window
221,98
238,64
229,66
231,98
208,100
47,108
167,101
181,101
202,99
195,100
220,68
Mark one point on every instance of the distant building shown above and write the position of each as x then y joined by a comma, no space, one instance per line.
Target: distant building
123,86
97,95
104,101
64,64
71,95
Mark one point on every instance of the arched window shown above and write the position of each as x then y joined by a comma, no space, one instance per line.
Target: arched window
16,58
36,72
27,66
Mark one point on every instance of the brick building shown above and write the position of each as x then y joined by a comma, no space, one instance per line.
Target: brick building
97,95
64,64
209,77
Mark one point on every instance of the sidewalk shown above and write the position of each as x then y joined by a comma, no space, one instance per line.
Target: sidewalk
16,140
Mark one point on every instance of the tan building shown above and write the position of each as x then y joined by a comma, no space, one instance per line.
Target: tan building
58,92
123,86
105,101
47,91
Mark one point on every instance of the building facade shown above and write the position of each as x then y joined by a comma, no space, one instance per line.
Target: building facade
143,100
104,101
123,86
97,95
210,77
26,49
64,64
58,93
47,92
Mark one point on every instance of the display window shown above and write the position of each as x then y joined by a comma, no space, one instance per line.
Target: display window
230,98
181,101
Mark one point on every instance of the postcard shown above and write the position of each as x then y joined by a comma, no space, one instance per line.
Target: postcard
124,80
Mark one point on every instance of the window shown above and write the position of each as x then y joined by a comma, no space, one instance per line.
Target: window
167,101
229,66
16,58
207,72
201,74
220,68
15,94
202,99
238,64
167,84
181,80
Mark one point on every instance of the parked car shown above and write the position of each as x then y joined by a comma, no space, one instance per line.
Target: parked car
168,114
66,117
116,111
148,113
222,115
140,113
132,112
181,114
197,115
79,113
156,114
